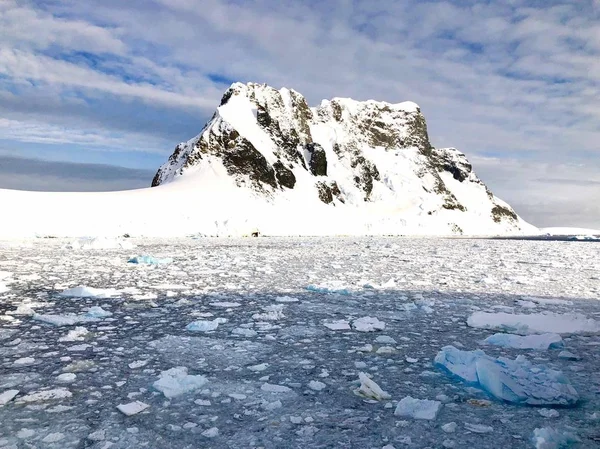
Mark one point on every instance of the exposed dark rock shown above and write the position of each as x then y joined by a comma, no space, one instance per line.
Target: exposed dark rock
284,175
500,212
367,174
244,159
318,159
327,192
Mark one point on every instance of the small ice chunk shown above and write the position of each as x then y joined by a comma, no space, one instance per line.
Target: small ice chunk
54,437
211,433
516,381
202,326
548,413
540,342
77,348
316,385
449,427
132,408
138,364
25,433
549,438
368,324
45,395
76,334
418,408
338,325
331,288
66,378
275,388
478,428
225,304
286,299
369,389
89,292
24,361
60,320
567,355
411,359
7,396
243,332
150,260
385,340
176,381
273,312
270,406
535,323
97,312
258,368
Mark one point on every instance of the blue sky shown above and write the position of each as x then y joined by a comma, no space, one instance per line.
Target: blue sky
514,84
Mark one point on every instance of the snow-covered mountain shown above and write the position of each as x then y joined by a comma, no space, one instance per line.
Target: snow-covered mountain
266,162
368,162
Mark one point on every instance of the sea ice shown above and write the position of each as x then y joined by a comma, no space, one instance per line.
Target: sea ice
176,381
149,260
211,433
272,388
132,408
100,243
368,324
418,408
316,385
369,389
339,325
7,396
516,381
385,339
535,323
540,342
89,292
45,395
271,313
333,288
203,326
97,312
549,438
61,320
76,334
478,428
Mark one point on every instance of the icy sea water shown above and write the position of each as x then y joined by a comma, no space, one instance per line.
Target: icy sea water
276,376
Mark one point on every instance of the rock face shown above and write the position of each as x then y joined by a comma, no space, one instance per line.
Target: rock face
344,153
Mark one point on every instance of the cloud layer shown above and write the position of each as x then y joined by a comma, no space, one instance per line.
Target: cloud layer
512,84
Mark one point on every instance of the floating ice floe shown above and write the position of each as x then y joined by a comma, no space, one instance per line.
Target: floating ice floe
548,301
132,408
338,325
540,342
478,428
418,408
7,396
76,334
272,388
549,438
271,313
4,288
368,324
244,332
45,395
369,389
97,312
62,320
176,381
535,323
203,326
516,381
149,260
89,292
330,288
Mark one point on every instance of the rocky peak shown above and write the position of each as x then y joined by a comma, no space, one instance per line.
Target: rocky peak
346,151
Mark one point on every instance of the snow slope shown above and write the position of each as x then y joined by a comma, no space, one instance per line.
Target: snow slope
267,162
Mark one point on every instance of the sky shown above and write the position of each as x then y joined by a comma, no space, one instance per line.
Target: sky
514,84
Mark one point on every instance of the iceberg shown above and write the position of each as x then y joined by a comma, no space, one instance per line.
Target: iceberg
418,408
515,381
176,381
539,342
